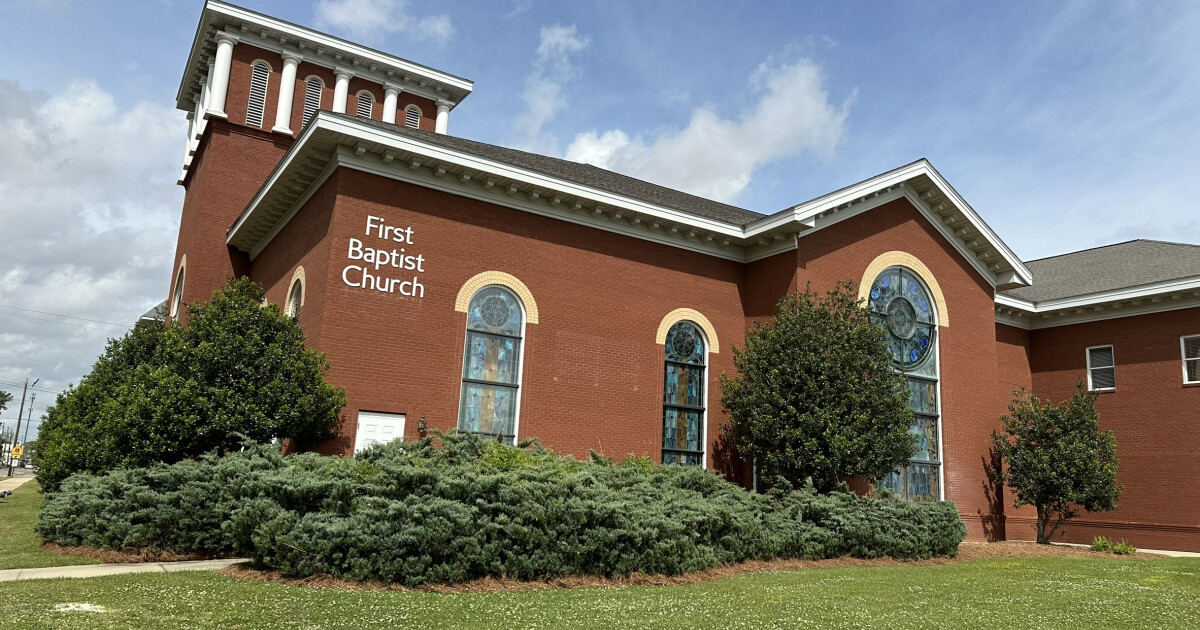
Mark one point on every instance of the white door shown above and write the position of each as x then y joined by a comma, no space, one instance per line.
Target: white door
377,428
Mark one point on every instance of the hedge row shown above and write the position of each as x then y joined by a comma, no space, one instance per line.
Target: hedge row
415,513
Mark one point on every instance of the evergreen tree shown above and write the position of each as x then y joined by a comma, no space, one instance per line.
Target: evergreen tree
164,393
1057,459
816,396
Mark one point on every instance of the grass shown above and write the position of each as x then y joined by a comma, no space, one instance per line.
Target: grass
994,594
20,547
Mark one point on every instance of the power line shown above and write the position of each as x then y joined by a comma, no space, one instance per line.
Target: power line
29,310
17,356
55,321
32,388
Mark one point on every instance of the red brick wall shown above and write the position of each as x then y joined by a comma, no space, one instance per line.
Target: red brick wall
592,374
1013,354
967,345
1155,416
229,167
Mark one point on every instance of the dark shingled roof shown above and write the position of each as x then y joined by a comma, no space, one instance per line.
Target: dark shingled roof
1108,268
583,174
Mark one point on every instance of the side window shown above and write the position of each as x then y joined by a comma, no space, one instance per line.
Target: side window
177,297
295,299
684,395
1190,346
259,74
491,372
1101,367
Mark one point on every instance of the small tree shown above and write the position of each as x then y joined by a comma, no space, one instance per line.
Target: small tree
816,395
1057,459
237,371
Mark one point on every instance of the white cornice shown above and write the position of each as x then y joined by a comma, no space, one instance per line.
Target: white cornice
1145,299
365,146
317,48
930,194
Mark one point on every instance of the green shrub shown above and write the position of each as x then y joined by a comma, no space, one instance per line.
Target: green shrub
170,393
1104,545
420,512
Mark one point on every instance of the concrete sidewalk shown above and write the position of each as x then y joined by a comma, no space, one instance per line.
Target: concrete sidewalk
97,570
12,483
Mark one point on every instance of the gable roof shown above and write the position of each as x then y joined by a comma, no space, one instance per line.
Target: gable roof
1109,268
580,173
601,199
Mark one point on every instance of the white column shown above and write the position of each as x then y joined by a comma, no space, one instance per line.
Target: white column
443,117
221,67
287,90
341,89
202,105
390,92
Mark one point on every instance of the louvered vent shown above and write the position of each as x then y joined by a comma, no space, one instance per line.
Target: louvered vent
258,94
412,117
312,98
364,104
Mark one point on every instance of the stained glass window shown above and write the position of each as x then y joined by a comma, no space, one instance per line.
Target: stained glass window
684,396
492,364
901,304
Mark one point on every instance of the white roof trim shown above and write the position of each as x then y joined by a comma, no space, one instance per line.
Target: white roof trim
1145,299
294,34
765,237
852,200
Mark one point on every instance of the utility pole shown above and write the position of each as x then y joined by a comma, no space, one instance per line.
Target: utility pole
28,423
19,414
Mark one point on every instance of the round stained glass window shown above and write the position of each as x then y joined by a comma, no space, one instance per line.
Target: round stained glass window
901,304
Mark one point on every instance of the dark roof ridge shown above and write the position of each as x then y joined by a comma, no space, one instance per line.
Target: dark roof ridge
1089,249
719,211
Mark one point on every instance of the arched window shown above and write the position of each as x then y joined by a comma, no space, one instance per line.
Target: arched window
259,73
492,364
177,297
412,116
901,303
313,86
295,299
684,395
364,103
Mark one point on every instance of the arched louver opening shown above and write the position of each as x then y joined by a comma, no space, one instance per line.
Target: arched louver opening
259,74
365,101
412,117
313,87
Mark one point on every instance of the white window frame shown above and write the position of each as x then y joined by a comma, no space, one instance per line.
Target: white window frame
177,296
1087,353
1183,353
295,298
520,360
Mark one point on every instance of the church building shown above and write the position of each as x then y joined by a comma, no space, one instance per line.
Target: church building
459,284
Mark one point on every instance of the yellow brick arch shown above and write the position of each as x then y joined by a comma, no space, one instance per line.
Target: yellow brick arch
487,278
905,259
690,315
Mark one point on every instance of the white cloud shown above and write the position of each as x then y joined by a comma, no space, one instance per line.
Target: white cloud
716,157
370,20
89,213
543,95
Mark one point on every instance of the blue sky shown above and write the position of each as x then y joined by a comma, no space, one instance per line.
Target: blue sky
1066,125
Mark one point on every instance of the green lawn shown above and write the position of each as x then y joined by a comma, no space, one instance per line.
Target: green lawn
992,594
20,548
